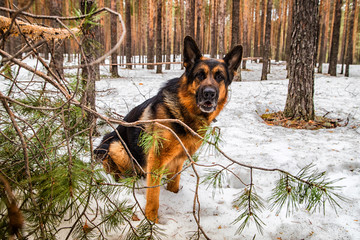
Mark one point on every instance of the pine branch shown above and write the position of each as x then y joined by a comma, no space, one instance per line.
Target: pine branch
313,192
249,204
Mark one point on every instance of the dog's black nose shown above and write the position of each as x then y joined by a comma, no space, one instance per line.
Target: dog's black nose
209,93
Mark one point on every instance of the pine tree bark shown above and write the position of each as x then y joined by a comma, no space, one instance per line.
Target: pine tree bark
322,35
245,34
332,16
113,27
335,39
199,25
300,98
277,53
175,43
128,51
267,47
221,24
57,47
150,36
169,30
213,48
345,33
284,20
288,36
349,51
158,37
262,24
235,23
256,27
182,30
190,18
89,74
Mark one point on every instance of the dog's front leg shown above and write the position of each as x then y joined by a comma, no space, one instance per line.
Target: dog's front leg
153,178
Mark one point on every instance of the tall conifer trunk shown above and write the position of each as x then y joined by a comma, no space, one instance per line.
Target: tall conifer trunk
113,26
262,24
344,38
246,52
158,37
335,39
235,23
322,38
277,55
128,33
57,47
150,35
349,51
221,24
300,98
89,73
267,46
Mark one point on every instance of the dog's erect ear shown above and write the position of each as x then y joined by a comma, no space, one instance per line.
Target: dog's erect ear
191,52
233,59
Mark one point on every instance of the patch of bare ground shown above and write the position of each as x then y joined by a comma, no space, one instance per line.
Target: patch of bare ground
320,122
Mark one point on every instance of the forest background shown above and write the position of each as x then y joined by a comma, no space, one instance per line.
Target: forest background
215,25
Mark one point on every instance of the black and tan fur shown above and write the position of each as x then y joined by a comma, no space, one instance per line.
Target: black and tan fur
195,98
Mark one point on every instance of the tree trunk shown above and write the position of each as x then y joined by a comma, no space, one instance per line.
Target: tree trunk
175,44
284,20
332,16
213,48
256,27
199,25
345,33
158,37
322,36
235,33
277,54
169,30
335,39
57,47
267,47
300,98
150,40
182,30
113,27
349,51
128,52
262,24
288,36
190,18
221,24
245,34
89,74
235,23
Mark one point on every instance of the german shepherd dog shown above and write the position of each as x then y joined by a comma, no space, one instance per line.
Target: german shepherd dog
195,98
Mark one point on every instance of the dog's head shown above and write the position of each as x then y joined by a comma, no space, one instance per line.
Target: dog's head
207,78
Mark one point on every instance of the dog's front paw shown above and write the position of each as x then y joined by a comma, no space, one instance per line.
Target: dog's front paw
152,215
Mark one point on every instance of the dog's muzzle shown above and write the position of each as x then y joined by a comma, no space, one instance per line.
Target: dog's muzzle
207,99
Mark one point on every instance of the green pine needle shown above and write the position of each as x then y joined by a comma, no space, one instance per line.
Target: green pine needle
313,192
249,204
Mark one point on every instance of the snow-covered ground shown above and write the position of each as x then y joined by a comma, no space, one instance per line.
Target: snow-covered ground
247,139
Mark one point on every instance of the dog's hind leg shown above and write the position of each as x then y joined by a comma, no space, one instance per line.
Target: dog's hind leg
120,158
174,167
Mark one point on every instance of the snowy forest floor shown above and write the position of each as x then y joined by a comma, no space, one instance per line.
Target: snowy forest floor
247,139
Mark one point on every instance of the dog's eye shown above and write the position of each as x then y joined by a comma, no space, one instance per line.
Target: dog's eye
201,75
219,77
